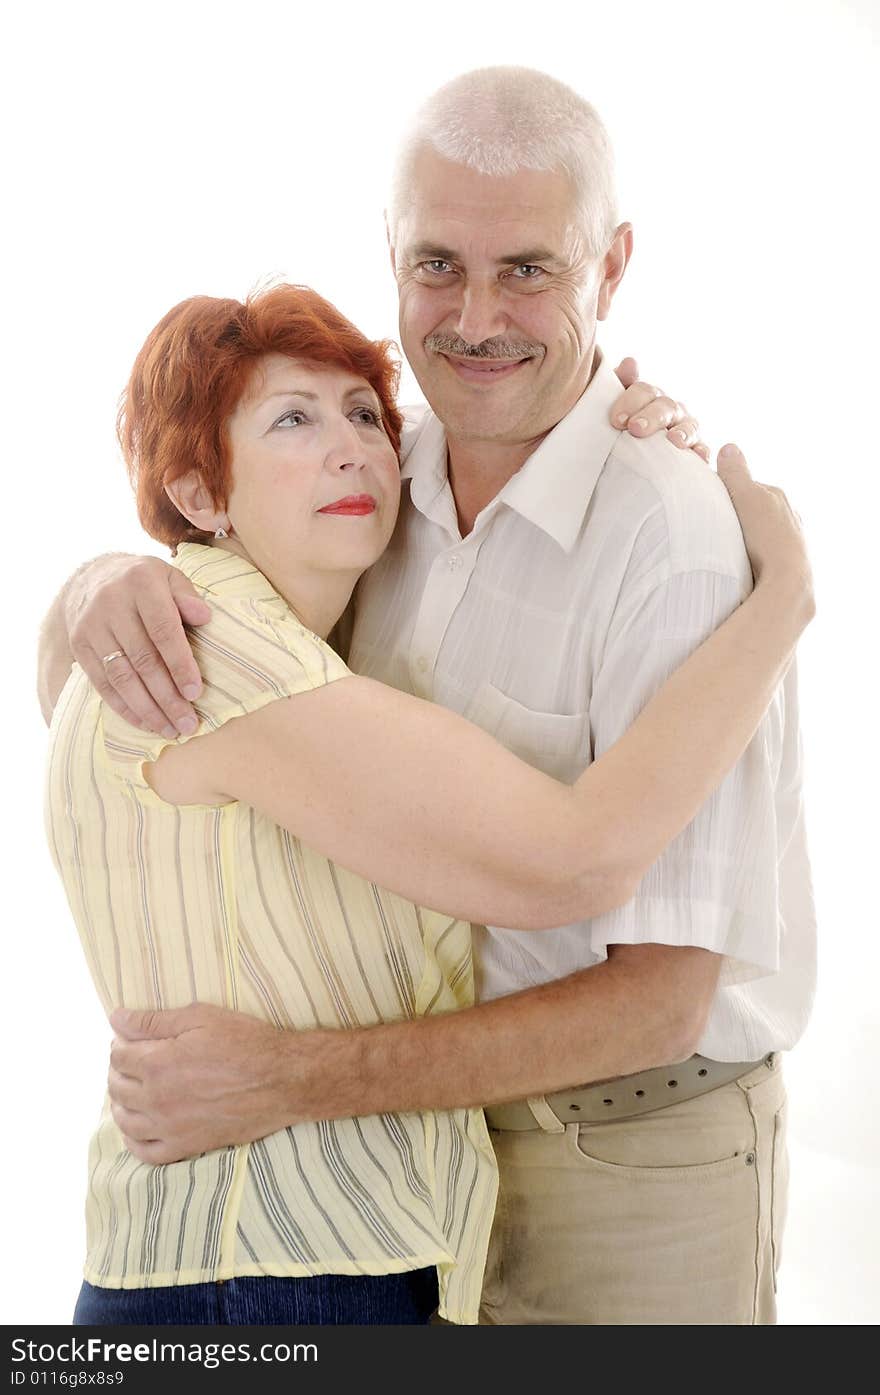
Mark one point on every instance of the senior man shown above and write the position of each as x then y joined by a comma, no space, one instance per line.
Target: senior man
547,573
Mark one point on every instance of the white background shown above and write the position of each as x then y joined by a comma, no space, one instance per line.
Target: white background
160,150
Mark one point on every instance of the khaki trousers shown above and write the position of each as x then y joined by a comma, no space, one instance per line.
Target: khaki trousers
674,1217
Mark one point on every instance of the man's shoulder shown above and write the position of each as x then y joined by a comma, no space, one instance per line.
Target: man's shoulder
700,523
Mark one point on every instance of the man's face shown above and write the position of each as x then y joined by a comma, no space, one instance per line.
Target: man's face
498,298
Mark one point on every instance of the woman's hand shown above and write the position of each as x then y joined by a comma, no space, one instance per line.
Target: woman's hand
643,410
771,530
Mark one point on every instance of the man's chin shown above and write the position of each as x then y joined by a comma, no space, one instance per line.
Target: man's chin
486,406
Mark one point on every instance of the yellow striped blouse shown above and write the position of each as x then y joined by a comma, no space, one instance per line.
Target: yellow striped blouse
176,903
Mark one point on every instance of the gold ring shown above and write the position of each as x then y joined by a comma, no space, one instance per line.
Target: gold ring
108,658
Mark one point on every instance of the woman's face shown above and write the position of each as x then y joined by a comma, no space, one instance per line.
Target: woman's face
315,479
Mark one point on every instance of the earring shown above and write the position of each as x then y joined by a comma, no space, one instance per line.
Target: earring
221,533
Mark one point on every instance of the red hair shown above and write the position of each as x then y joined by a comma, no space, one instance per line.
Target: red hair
196,366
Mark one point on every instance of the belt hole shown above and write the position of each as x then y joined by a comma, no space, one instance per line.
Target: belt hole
672,1084
608,1101
575,1107
639,1094
703,1071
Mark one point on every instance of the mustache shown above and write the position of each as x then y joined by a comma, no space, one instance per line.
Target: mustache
488,348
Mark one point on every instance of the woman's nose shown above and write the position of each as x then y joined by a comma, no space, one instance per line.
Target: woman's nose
346,451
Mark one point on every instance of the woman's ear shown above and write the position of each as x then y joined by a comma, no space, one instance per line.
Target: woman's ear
188,494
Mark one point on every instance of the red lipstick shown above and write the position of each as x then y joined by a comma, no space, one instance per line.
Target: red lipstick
352,506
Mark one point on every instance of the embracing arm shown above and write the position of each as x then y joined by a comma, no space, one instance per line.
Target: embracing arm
185,1081
416,799
54,659
137,606
142,616
646,1005
196,1078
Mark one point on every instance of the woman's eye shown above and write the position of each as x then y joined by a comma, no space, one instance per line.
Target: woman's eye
368,416
295,417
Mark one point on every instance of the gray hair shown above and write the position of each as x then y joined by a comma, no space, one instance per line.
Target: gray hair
501,120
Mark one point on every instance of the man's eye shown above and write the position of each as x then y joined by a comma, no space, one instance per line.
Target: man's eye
437,266
368,416
295,417
527,272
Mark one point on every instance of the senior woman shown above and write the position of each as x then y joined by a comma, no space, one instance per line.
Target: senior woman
281,859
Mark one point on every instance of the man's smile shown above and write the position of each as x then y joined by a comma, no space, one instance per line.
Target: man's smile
485,371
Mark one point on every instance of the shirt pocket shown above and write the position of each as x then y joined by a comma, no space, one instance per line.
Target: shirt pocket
555,743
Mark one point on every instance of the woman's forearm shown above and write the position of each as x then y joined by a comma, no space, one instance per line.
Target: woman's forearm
413,797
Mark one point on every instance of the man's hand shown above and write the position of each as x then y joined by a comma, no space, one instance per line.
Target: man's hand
125,618
197,1078
643,410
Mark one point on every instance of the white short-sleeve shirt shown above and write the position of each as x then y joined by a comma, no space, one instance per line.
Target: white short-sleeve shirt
591,576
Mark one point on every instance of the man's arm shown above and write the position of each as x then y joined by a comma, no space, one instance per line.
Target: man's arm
135,607
226,1078
54,659
138,605
200,1077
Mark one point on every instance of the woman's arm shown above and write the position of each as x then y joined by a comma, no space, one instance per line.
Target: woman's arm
417,799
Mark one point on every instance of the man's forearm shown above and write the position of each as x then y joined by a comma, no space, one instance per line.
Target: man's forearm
201,1077
603,1022
54,659
54,656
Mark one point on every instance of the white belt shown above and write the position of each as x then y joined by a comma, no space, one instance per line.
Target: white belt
628,1095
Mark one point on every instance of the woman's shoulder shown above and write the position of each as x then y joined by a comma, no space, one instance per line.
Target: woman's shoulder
252,651
253,641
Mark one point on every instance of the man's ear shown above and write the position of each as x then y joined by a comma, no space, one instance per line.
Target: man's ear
391,250
188,494
614,265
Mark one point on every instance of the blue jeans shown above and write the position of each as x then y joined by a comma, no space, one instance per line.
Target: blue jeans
385,1300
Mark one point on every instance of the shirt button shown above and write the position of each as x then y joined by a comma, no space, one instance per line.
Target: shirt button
454,562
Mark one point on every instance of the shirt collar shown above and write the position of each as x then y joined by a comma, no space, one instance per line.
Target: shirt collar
424,464
554,487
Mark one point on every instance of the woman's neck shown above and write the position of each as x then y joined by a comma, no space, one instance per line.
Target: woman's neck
316,598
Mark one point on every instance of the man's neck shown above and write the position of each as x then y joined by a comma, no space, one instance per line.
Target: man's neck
479,469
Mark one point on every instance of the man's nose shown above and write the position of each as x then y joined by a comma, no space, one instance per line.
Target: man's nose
480,316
